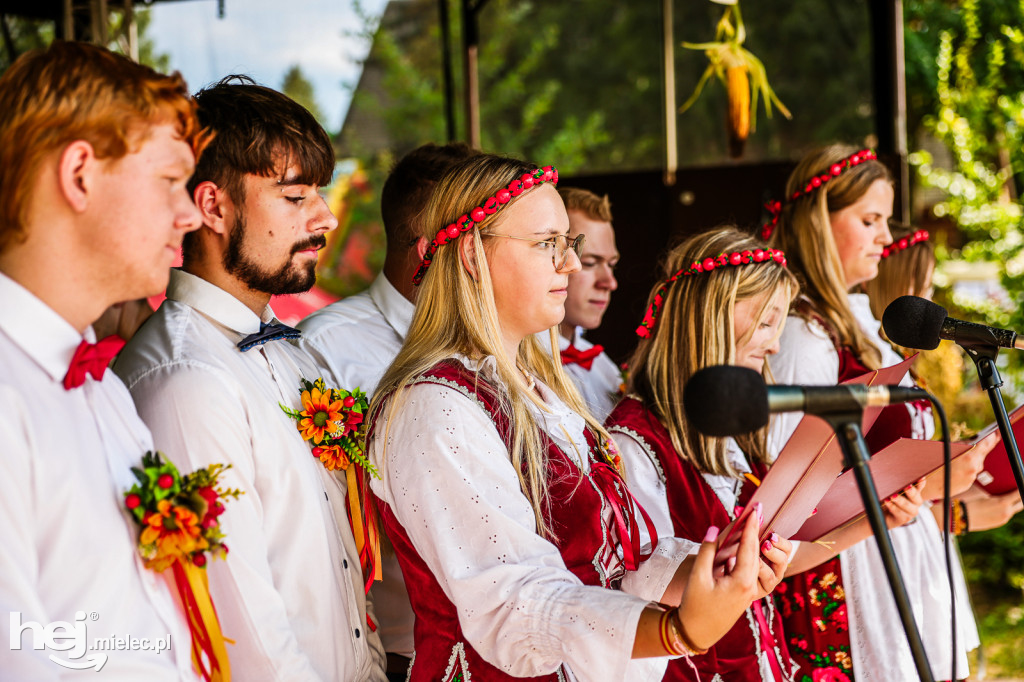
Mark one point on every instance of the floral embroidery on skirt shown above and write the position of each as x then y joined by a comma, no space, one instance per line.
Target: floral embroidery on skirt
813,607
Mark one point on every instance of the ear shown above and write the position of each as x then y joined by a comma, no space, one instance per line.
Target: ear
421,247
75,170
214,205
468,254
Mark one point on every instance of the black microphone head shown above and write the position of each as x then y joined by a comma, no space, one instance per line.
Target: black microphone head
914,322
726,401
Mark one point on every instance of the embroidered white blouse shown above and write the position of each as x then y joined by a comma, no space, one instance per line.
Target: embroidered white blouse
290,591
878,645
448,478
67,542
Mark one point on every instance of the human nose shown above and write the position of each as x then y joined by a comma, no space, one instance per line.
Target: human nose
324,220
570,262
186,214
606,277
884,233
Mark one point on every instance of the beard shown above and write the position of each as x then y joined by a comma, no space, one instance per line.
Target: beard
287,279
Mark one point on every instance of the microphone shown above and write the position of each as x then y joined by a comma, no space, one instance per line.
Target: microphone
914,322
729,401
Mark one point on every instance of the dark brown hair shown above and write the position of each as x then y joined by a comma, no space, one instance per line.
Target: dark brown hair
409,185
258,131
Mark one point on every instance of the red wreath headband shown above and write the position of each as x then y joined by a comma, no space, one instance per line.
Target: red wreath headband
835,170
707,265
905,243
466,221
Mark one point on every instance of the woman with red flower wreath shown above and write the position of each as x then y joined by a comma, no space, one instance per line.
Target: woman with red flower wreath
834,229
518,540
713,309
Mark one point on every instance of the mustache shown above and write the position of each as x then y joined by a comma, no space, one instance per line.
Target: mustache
318,242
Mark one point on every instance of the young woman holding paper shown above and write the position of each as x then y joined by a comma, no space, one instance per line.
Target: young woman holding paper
833,226
724,301
499,492
906,269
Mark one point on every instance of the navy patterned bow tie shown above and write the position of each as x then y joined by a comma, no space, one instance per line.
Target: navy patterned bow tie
268,332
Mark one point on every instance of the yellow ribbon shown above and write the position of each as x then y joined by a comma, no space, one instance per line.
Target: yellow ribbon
203,623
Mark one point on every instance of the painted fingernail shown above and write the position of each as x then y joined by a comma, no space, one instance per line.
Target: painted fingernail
737,510
814,511
766,546
774,537
760,516
730,564
712,534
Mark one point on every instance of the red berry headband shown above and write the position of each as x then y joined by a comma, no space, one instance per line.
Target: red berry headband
836,169
500,199
905,243
707,265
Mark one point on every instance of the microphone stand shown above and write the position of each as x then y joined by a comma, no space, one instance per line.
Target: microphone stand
855,452
984,356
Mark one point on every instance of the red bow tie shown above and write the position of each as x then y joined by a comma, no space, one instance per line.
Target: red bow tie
92,358
584,358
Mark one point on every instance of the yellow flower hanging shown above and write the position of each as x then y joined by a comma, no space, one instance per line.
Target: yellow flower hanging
742,73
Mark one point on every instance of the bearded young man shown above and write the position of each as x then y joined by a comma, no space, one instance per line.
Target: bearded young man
211,370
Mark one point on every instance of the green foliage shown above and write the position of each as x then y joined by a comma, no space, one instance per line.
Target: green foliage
976,110
299,88
979,118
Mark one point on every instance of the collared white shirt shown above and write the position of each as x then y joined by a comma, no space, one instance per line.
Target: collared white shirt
879,647
290,592
598,385
356,339
518,604
67,542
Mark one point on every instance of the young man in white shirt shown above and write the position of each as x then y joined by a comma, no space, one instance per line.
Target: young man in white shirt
95,153
358,337
211,370
590,291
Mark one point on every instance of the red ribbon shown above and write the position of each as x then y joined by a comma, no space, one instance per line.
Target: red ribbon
624,510
92,358
584,358
767,640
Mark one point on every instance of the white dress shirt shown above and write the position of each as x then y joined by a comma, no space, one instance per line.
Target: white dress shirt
598,385
356,339
879,647
518,604
290,592
67,542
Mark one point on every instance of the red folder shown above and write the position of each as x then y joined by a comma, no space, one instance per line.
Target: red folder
997,476
902,463
809,464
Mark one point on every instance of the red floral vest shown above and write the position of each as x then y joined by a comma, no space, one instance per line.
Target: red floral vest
694,507
576,514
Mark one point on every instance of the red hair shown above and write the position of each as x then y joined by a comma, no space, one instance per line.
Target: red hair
76,91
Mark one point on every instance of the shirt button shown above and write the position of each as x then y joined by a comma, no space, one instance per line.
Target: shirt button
344,562
357,633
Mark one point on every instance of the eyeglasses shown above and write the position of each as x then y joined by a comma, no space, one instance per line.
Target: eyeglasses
561,243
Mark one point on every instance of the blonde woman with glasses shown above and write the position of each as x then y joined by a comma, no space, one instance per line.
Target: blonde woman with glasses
521,546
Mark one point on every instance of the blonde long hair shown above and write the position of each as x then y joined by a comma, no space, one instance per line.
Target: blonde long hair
695,329
804,232
456,315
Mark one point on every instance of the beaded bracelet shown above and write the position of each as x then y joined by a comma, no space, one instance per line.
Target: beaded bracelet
958,524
